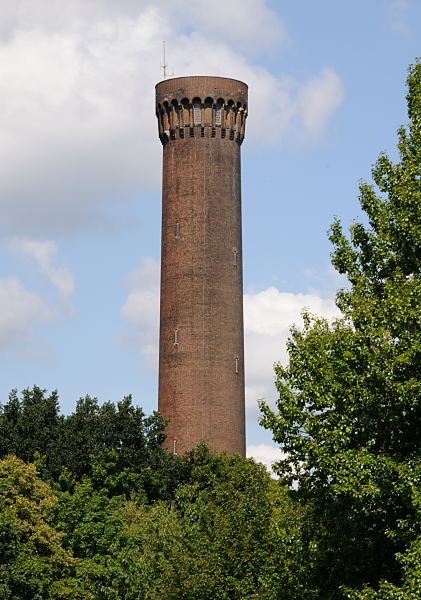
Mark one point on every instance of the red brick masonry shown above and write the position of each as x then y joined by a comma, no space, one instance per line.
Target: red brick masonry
201,359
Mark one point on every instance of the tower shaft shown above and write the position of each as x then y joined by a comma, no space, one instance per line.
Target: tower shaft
201,358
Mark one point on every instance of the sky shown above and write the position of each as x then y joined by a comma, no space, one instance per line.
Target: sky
80,174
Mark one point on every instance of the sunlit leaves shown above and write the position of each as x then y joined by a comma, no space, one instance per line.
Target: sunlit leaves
349,411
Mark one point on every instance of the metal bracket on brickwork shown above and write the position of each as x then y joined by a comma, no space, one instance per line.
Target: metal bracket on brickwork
234,256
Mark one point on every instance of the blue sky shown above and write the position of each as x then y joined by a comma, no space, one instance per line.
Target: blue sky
80,173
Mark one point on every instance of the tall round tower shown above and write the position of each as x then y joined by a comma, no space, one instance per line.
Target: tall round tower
201,355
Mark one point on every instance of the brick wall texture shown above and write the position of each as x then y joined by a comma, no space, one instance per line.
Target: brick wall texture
201,356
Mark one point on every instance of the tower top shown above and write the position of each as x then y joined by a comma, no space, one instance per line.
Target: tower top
202,84
189,106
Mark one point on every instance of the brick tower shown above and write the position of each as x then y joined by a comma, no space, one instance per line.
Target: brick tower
201,353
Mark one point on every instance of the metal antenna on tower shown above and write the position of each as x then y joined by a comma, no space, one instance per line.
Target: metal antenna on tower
164,64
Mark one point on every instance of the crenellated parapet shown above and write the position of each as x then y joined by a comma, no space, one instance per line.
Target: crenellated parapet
193,107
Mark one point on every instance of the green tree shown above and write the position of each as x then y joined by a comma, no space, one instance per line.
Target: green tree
119,449
117,446
33,563
30,424
349,412
231,532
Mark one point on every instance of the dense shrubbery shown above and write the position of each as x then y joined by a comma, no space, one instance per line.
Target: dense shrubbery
92,508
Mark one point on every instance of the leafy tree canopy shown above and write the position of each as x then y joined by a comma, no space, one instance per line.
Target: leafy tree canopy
33,563
116,446
349,410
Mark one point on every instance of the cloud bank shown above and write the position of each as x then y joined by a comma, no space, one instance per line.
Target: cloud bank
77,125
268,317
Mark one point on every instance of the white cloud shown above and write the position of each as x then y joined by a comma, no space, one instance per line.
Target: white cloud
77,125
242,22
265,454
141,309
44,254
316,100
250,23
268,317
21,312
77,119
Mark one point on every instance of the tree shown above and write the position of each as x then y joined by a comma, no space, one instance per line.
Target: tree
119,449
230,533
33,563
117,446
349,411
30,424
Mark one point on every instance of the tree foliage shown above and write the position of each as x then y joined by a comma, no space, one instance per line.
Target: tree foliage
116,446
33,563
227,534
349,410
30,424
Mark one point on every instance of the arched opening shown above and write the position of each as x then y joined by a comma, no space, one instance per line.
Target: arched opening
218,111
185,104
229,114
208,111
174,116
197,111
239,117
165,118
